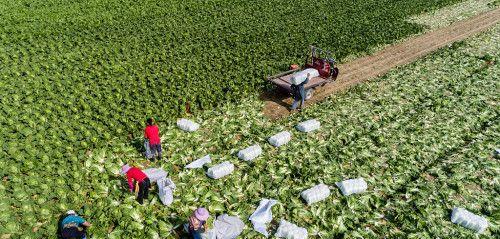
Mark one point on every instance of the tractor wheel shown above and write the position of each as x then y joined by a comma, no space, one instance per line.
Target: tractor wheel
309,94
335,73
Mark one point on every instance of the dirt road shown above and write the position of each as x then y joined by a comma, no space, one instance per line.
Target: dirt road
375,65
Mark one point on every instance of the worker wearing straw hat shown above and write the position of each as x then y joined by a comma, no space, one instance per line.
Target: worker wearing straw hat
198,222
135,175
73,226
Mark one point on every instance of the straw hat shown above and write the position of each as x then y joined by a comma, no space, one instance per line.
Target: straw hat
201,214
125,169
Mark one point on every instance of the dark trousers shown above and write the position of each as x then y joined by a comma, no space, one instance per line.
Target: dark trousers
73,232
156,150
195,234
143,190
299,95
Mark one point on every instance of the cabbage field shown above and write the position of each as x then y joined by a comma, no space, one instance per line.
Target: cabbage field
78,79
422,137
130,58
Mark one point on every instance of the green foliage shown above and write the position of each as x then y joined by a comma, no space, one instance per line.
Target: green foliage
77,76
105,65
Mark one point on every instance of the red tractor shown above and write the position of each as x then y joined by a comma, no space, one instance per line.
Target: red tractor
320,60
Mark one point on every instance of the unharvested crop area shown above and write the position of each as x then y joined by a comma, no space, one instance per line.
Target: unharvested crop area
150,57
77,76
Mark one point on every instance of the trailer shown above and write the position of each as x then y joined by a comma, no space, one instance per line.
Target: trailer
320,60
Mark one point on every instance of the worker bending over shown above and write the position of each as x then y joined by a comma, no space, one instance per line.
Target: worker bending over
299,93
152,134
73,226
198,223
136,176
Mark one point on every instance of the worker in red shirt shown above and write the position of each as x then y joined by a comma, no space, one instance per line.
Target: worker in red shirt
136,175
152,133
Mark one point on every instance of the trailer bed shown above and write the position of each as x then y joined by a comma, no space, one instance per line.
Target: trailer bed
284,82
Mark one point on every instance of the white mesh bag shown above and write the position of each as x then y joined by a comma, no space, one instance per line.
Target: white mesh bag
280,138
250,153
301,76
309,125
220,170
290,231
228,227
469,220
199,162
166,190
154,174
315,194
352,186
187,125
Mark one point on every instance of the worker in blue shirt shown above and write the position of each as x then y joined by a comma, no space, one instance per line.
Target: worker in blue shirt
73,226
299,93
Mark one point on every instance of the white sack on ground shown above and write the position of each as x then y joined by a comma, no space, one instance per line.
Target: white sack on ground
187,125
209,234
228,227
220,170
352,186
199,162
280,138
166,190
250,153
300,76
315,194
309,125
469,220
290,231
154,174
262,215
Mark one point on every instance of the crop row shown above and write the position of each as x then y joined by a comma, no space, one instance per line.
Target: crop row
440,127
467,178
388,131
104,66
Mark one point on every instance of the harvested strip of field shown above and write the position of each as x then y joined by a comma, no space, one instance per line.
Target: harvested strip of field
466,179
461,11
378,64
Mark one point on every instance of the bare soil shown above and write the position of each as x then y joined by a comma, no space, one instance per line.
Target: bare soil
380,63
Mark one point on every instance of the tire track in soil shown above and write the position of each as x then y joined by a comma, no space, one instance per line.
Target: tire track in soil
375,65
